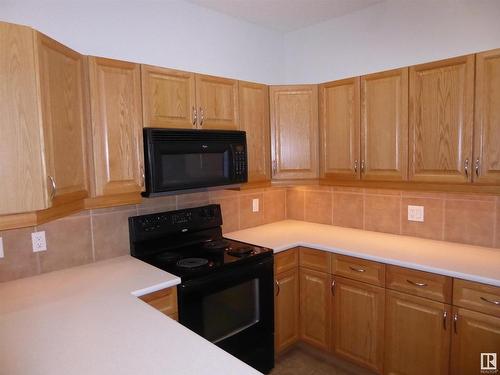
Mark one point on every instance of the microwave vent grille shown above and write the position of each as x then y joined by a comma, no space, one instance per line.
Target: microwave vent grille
196,136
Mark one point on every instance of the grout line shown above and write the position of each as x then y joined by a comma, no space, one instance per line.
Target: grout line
364,210
495,224
92,238
443,219
401,213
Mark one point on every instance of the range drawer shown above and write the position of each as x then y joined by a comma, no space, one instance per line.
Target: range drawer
477,297
164,300
314,259
358,269
419,283
286,260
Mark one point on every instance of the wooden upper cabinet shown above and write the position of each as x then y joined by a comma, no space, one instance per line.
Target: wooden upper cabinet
286,309
217,101
440,121
115,94
384,126
168,97
254,119
339,129
487,120
62,81
294,131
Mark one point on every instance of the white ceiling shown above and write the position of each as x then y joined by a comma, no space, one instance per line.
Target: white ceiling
285,15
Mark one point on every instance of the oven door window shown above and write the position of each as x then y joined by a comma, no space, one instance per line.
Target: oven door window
229,311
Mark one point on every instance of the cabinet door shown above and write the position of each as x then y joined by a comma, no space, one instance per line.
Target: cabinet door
315,308
487,121
417,335
254,119
358,327
168,98
441,114
474,333
294,131
64,119
339,129
115,93
217,100
384,126
286,309
22,173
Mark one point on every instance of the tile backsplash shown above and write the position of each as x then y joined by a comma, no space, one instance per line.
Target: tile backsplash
100,234
463,218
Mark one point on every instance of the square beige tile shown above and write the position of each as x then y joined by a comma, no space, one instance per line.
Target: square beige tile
19,259
295,204
192,200
348,209
159,204
318,207
69,243
274,205
432,226
382,213
230,208
248,218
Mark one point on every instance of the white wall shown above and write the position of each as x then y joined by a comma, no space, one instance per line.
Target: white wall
169,33
391,34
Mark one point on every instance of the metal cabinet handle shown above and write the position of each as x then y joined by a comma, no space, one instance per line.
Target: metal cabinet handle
455,320
422,285
275,167
202,114
478,164
362,166
277,287
53,186
356,166
357,269
195,116
466,168
143,176
445,315
496,303
333,287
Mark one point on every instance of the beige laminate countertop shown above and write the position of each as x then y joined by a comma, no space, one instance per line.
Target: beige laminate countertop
467,262
87,320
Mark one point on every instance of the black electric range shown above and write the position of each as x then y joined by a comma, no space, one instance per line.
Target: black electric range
226,293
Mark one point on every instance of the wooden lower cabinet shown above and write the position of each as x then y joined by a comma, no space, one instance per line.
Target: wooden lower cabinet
417,335
358,322
315,308
473,333
165,301
286,309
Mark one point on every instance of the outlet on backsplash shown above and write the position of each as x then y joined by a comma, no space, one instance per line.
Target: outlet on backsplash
416,213
38,241
255,205
1,248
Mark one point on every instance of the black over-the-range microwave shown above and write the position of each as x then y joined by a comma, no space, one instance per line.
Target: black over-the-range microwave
193,160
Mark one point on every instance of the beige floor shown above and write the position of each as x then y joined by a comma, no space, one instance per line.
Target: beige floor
303,360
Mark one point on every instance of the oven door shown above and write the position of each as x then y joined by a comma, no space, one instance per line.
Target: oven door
235,311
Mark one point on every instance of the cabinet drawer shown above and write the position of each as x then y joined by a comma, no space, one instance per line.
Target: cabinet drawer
286,260
358,269
164,300
475,296
314,259
419,283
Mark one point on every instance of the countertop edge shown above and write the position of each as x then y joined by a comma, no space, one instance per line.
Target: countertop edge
156,287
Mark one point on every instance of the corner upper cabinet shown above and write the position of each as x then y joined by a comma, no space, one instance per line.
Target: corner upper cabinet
384,126
168,97
43,126
339,130
487,119
254,119
115,96
294,131
440,121
217,101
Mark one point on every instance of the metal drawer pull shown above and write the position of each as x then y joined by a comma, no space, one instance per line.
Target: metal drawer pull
53,186
357,269
422,285
195,116
445,315
333,287
355,166
455,320
466,168
277,288
497,303
477,167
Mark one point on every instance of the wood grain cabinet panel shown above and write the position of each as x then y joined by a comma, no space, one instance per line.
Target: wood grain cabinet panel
314,259
164,300
115,94
217,100
487,118
417,335
358,269
474,333
384,126
168,97
286,260
358,326
478,297
294,131
286,309
315,308
440,122
254,119
339,129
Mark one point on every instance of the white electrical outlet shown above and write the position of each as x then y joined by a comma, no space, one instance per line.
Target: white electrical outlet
1,248
38,241
255,205
416,213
